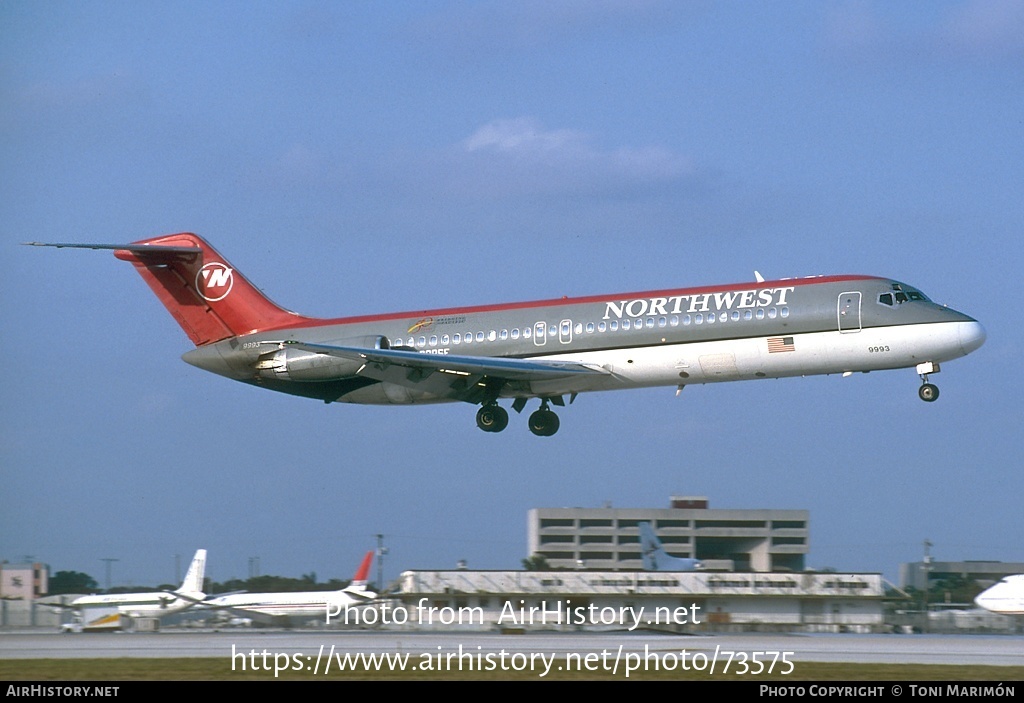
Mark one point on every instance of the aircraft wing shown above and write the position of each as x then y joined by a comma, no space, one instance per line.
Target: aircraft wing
56,606
451,375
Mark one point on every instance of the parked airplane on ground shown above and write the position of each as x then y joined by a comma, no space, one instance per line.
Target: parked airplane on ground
655,557
1005,597
548,349
282,608
106,612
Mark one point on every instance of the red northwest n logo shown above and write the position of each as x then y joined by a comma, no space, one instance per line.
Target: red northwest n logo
214,281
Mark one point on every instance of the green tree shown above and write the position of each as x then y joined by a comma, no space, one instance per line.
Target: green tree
537,562
72,582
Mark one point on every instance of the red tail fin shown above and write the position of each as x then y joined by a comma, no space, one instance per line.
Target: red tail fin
363,574
209,299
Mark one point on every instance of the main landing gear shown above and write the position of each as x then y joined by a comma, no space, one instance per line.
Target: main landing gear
928,392
543,422
491,417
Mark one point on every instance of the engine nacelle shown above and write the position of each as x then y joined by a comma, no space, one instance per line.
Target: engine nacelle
300,365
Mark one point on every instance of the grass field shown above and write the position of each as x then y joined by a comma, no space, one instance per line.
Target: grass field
215,669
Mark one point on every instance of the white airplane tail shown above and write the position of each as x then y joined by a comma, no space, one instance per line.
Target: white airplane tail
193,582
655,557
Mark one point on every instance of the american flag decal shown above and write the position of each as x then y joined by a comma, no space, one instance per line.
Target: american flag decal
780,344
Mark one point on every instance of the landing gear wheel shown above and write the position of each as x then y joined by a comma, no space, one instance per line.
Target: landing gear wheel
543,423
928,392
492,418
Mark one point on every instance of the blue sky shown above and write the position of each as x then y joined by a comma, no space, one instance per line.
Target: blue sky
353,158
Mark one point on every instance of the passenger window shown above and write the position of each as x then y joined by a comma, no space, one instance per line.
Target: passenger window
601,326
479,336
444,340
515,333
784,311
433,340
735,315
674,320
711,317
698,319
625,324
491,336
423,341
772,312
686,320
614,325
747,315
760,313
504,335
590,327
457,338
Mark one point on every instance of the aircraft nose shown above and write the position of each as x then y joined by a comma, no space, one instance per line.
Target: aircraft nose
972,336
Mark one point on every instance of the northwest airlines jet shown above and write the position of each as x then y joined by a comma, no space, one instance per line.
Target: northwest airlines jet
548,349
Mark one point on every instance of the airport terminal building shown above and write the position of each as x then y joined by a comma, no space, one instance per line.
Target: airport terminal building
724,540
922,575
682,602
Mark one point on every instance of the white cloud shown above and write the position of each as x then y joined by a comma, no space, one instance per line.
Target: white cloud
522,150
988,27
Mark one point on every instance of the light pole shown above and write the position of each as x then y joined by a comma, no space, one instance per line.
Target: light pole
108,561
381,551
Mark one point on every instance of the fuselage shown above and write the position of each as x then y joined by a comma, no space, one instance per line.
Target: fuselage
287,605
789,327
1005,597
138,605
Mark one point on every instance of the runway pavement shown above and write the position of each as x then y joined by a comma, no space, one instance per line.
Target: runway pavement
995,650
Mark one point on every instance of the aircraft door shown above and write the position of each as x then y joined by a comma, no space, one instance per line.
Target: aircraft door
848,311
540,334
565,331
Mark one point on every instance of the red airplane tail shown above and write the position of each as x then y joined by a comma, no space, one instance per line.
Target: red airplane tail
362,576
202,291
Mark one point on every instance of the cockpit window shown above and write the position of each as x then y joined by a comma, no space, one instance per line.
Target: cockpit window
901,294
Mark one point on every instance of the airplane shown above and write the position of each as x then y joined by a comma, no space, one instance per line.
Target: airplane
1005,597
547,349
655,557
280,608
105,612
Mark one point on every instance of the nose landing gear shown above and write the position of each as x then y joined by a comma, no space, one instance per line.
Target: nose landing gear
928,392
